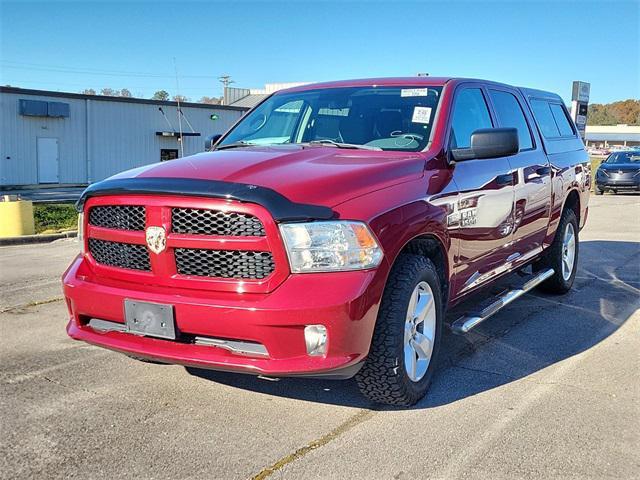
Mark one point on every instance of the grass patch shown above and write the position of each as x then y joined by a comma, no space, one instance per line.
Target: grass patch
595,163
54,218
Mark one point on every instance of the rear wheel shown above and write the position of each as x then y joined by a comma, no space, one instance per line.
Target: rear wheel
562,255
406,339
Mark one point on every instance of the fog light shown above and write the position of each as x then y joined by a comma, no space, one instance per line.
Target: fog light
315,336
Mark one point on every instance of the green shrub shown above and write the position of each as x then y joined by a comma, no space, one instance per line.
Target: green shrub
50,218
595,163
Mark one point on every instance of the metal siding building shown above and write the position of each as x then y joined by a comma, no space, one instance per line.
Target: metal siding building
100,136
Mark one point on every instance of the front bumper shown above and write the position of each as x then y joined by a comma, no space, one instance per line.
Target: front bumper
346,303
622,184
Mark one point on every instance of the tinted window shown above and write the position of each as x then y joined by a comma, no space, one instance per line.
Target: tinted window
544,117
510,114
385,118
561,120
624,157
470,113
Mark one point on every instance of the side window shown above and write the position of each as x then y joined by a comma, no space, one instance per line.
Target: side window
510,114
561,120
544,117
470,113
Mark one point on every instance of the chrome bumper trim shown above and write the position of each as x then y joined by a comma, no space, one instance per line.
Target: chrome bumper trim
234,346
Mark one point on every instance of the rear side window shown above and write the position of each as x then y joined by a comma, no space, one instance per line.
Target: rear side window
552,119
510,114
470,113
544,117
561,119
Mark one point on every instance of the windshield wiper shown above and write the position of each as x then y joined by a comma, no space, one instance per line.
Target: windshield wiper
342,145
241,143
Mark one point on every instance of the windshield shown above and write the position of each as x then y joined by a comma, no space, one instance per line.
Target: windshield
382,118
624,157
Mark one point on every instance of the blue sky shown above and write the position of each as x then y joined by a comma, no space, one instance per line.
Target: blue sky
69,46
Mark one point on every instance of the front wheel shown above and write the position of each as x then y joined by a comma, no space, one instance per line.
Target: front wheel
406,339
562,255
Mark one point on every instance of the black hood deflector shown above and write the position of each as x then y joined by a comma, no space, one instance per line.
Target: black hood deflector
281,208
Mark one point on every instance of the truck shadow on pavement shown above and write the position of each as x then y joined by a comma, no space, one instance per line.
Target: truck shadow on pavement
529,335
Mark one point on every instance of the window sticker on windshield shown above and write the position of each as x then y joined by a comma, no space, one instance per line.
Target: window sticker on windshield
421,115
414,92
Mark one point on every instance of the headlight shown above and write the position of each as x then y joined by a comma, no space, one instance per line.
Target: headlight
330,246
81,231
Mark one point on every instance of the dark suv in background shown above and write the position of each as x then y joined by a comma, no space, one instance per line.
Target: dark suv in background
620,171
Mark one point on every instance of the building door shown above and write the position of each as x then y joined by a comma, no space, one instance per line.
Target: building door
48,160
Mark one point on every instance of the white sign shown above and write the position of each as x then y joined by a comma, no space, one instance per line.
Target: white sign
421,115
414,92
581,91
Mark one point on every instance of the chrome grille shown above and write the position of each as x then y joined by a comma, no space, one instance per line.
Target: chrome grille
224,263
122,255
215,222
120,217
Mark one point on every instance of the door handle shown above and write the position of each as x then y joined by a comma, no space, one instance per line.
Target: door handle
506,179
542,171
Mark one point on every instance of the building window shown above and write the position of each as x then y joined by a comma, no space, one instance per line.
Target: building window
168,154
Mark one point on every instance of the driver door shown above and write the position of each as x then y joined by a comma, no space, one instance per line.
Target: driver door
483,216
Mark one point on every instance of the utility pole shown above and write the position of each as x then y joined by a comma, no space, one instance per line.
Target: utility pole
226,81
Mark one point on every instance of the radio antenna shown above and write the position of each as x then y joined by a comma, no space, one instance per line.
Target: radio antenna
179,111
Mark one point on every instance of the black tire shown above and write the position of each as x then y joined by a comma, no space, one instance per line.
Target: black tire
557,284
383,378
599,192
615,192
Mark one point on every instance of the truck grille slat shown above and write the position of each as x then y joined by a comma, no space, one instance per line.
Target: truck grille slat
224,263
215,222
119,217
121,255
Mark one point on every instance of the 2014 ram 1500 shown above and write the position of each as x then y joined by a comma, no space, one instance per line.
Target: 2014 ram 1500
329,231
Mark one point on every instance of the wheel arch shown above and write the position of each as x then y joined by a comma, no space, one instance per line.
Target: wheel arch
430,246
572,201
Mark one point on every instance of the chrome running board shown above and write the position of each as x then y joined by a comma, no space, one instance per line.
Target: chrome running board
468,321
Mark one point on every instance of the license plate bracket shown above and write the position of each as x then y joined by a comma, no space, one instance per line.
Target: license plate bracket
150,319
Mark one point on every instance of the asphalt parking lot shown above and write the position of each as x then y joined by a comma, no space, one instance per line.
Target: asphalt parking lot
549,388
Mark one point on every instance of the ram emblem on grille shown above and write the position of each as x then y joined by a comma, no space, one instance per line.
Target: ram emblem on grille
156,239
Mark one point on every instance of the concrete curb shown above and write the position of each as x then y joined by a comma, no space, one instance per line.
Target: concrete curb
30,239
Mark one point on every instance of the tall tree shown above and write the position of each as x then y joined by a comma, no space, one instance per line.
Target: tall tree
109,92
211,100
125,93
160,95
622,112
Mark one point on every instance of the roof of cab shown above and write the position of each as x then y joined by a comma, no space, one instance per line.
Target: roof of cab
533,93
367,82
414,82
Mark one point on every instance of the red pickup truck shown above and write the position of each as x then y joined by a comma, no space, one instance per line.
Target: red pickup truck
330,230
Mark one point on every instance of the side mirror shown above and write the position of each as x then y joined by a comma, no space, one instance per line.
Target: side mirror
489,143
210,142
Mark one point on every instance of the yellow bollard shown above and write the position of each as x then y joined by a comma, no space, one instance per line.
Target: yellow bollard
16,217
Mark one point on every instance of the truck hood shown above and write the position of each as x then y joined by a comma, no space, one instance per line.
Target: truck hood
314,175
